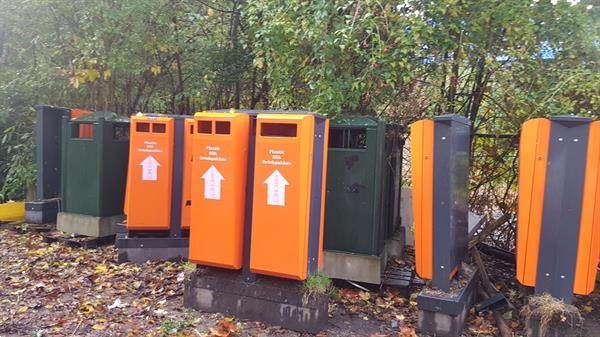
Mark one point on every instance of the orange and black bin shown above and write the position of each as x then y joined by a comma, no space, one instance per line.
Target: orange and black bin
258,192
157,202
219,184
558,225
290,162
440,178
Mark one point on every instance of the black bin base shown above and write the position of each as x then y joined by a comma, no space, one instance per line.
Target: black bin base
443,314
42,212
147,248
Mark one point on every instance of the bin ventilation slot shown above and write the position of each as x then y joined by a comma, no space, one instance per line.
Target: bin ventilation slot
159,128
142,127
83,130
192,129
121,132
278,130
205,127
348,138
222,128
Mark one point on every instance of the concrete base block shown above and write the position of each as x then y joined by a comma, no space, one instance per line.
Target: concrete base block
87,225
270,300
546,316
563,329
394,246
443,314
41,212
354,267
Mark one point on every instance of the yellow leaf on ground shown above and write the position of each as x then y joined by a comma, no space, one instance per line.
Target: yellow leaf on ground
101,268
98,326
365,296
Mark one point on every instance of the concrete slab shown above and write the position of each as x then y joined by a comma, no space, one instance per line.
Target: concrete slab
270,300
354,267
87,225
406,216
42,212
394,246
443,314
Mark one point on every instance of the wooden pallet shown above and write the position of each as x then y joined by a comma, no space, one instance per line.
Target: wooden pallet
22,227
78,241
401,276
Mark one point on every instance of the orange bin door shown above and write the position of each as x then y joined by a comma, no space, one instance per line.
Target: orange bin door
533,158
421,152
149,177
219,174
186,198
588,251
280,211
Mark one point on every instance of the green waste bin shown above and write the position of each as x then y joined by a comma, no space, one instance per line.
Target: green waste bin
363,185
94,164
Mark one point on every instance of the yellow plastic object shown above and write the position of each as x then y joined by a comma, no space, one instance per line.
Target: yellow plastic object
12,211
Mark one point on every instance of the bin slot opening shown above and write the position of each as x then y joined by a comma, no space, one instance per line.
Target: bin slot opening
159,128
336,138
357,139
83,130
188,203
205,127
120,132
222,128
192,129
142,127
278,130
348,138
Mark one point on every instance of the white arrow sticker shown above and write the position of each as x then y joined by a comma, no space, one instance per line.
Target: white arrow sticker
276,184
149,168
212,183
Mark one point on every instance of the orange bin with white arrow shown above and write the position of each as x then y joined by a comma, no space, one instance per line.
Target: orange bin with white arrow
148,199
219,175
288,194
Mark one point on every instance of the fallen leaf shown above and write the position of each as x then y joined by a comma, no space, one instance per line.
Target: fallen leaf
407,332
98,326
365,296
100,269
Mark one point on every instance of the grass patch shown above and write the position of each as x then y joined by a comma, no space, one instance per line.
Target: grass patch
317,284
188,269
175,326
550,312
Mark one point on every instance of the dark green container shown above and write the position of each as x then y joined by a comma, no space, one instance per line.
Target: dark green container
363,185
94,164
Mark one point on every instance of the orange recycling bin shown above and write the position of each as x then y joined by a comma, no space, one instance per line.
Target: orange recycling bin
148,197
219,188
558,229
148,204
288,192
